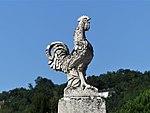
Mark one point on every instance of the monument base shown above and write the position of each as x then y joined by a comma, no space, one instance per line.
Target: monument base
81,105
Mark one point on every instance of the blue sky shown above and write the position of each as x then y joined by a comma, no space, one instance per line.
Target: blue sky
120,35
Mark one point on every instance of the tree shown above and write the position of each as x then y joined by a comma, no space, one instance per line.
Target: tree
44,96
141,104
40,104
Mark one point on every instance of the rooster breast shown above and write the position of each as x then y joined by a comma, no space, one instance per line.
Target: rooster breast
81,55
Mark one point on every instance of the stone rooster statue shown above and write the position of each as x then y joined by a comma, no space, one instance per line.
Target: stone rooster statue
74,64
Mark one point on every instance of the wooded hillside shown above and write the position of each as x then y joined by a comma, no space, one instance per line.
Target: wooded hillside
130,87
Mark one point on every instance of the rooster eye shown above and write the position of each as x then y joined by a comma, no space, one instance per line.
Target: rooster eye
85,20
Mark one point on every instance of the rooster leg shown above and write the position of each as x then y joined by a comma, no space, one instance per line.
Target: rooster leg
84,85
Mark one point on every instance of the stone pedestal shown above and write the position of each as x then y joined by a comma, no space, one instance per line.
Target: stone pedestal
81,105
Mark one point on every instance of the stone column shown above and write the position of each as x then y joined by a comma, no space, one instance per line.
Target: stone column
81,105
81,101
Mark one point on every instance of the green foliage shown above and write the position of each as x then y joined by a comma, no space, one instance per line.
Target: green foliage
127,85
141,104
40,104
15,101
43,98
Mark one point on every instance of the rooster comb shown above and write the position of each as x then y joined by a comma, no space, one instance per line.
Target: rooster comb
83,17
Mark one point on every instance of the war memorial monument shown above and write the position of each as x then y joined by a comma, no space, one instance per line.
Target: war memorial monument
79,97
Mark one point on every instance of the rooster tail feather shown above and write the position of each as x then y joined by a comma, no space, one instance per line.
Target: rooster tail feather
56,53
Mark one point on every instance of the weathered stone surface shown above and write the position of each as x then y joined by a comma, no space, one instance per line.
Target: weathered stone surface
82,105
89,91
74,64
79,97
